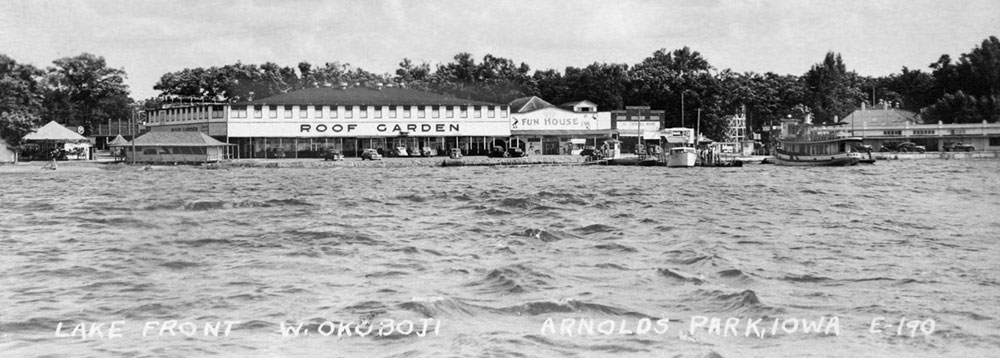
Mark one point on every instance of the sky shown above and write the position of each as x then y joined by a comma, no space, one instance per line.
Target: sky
150,38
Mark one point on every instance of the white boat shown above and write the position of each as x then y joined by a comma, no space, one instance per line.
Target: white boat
680,150
681,157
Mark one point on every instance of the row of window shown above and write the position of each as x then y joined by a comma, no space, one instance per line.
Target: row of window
186,114
363,112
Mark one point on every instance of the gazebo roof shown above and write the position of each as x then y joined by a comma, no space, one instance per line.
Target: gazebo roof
54,132
118,141
176,139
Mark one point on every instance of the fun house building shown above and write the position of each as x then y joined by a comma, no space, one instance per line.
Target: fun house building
546,129
306,123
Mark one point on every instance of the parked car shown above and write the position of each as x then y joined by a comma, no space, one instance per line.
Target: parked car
902,147
333,155
497,152
957,147
370,154
910,147
515,152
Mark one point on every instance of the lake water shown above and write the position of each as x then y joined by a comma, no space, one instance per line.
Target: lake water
897,259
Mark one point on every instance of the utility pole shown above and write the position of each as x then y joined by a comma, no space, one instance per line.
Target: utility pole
133,128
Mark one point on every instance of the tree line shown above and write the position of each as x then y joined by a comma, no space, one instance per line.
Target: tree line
83,90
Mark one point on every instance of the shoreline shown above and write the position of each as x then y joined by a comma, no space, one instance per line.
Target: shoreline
100,165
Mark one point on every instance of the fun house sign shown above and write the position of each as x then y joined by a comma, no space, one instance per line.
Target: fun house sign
553,119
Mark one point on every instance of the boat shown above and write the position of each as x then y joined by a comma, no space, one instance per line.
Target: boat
805,144
680,152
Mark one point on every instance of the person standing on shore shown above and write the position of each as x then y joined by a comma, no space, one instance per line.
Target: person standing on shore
52,164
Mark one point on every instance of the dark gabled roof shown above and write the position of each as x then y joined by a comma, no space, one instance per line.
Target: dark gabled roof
528,104
355,96
882,117
176,139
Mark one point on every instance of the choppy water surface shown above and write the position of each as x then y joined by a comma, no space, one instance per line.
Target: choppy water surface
505,261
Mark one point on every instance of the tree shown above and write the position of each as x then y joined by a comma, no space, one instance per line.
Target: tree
970,87
20,90
831,93
84,91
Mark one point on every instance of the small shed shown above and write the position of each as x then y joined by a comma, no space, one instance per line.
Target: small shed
175,147
7,154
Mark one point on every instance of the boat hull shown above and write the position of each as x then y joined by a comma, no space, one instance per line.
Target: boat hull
840,160
685,159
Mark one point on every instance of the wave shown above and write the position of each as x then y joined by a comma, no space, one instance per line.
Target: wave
535,308
513,279
679,277
547,235
433,307
615,247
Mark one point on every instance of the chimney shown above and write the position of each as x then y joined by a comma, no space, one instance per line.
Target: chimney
327,85
378,86
343,86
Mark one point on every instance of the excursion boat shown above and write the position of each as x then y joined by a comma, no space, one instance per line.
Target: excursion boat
805,144
680,150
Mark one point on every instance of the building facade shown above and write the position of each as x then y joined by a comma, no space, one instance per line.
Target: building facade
638,124
309,122
883,125
541,128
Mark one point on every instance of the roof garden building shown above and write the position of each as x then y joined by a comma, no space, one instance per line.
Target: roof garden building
305,123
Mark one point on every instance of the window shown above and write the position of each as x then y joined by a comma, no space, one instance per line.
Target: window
349,112
435,112
503,112
288,111
449,112
258,112
363,112
892,132
392,111
478,113
272,111
464,112
923,132
421,112
319,111
958,131
994,141
378,112
303,111
333,111
218,112
406,111
491,113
